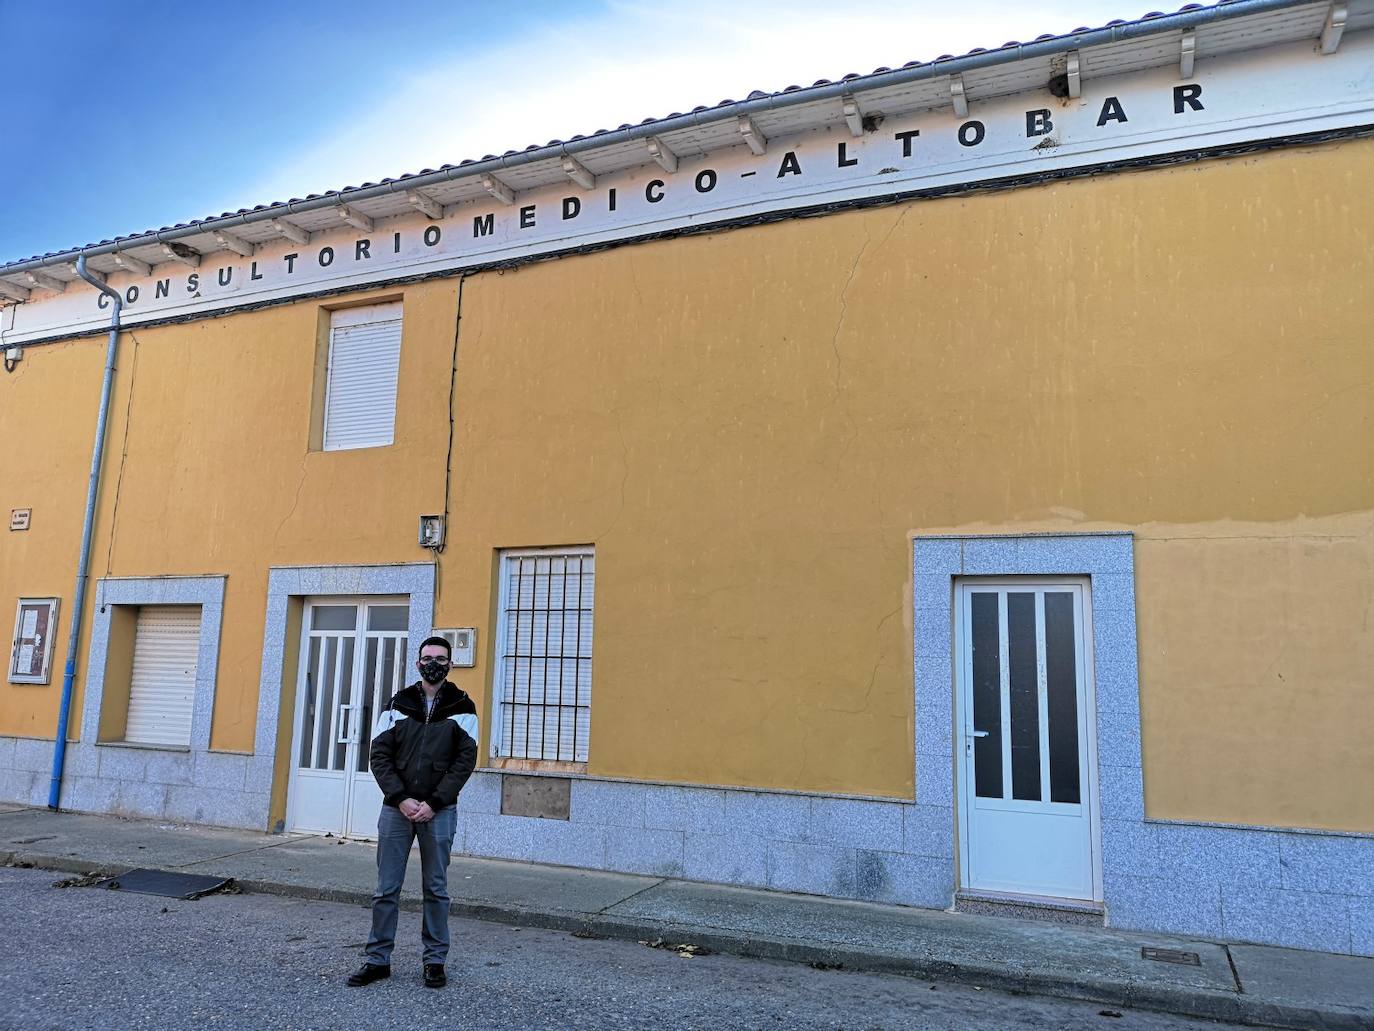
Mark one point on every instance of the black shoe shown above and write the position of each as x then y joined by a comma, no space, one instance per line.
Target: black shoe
435,976
367,973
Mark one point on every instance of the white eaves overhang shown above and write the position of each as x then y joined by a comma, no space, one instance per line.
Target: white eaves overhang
1187,38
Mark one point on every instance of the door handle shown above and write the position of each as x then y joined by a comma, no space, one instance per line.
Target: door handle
346,718
977,733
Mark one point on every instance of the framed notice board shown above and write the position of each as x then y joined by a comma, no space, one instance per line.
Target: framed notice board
35,627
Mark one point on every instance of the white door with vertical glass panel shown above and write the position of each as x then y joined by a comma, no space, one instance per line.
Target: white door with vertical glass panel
1027,758
352,660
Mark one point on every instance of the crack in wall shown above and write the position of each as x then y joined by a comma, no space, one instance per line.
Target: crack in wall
836,389
294,504
873,674
625,475
123,455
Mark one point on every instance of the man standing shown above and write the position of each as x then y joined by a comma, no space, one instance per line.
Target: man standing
422,755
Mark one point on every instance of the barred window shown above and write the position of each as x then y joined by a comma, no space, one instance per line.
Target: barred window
544,677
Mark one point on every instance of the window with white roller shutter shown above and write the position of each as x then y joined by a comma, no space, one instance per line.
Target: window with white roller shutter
360,386
163,686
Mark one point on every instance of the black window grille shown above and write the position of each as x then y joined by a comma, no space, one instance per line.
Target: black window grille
546,655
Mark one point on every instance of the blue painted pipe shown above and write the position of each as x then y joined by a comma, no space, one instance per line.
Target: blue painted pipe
79,601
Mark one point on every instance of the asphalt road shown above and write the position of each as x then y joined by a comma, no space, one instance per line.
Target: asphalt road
92,958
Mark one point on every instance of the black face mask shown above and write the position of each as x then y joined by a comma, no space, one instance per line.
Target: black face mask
433,671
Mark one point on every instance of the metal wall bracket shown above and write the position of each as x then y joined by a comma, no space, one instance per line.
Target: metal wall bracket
578,173
290,230
181,252
1187,52
1334,27
100,276
757,141
355,218
660,152
132,265
853,115
498,189
39,281
425,204
957,95
230,242
1074,71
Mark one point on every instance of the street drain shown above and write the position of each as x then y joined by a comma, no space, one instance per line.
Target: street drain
1188,959
166,883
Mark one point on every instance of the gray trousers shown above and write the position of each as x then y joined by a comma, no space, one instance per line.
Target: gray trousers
394,836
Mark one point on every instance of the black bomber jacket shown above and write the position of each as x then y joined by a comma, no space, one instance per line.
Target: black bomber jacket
427,756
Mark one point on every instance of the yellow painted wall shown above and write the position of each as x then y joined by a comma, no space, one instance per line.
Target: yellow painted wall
47,420
119,673
1258,690
750,425
217,478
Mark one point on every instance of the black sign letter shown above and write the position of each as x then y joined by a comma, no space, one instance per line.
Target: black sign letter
290,260
326,257
131,295
971,133
612,199
225,275
845,161
361,250
1039,122
193,283
163,289
572,207
706,180
396,244
653,193
1190,94
483,225
432,234
790,165
253,273
906,138
527,217
1112,111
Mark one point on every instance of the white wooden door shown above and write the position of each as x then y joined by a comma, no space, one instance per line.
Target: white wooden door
353,656
1028,769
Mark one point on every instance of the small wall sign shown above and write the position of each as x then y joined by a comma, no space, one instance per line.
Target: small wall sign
19,518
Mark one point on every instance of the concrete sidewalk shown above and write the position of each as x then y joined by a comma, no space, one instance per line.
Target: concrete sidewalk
1238,983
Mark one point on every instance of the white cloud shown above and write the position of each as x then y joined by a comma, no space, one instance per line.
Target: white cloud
630,61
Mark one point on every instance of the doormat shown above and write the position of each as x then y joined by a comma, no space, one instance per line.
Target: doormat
167,883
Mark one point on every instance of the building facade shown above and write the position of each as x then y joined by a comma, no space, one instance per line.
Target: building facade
949,486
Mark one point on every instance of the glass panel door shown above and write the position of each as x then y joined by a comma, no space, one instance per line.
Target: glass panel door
383,672
325,716
353,658
1023,699
384,667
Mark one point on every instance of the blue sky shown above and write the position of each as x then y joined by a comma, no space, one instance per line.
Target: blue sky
121,117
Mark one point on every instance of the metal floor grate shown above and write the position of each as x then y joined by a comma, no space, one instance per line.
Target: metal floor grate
1179,956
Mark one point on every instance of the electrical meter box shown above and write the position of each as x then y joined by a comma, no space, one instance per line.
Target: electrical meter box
463,641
